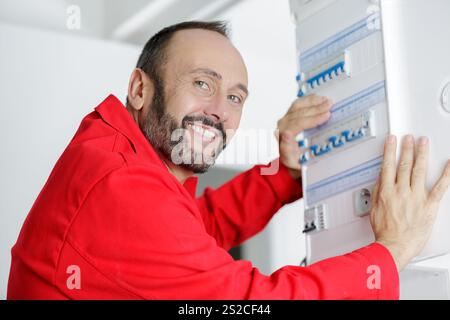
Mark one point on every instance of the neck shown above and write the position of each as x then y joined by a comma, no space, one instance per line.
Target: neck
179,172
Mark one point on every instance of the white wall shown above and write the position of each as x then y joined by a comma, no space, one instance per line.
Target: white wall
48,82
53,15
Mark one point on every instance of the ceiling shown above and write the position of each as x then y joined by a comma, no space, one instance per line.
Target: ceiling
132,21
147,17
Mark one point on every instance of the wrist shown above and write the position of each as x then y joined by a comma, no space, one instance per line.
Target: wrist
398,252
296,174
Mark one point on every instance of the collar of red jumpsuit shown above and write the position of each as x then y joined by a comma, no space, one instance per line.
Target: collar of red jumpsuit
113,113
112,222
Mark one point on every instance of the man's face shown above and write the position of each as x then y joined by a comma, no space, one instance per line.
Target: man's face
198,101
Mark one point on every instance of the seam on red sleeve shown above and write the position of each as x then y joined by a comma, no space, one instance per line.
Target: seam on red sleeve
124,165
69,226
110,278
115,142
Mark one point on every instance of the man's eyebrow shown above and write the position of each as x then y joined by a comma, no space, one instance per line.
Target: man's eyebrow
243,88
208,72
219,77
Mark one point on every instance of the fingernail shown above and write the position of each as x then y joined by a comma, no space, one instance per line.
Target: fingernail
423,141
390,139
409,138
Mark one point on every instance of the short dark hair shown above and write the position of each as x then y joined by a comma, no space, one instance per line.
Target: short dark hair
153,56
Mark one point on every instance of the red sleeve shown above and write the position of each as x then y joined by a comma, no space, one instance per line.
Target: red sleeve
242,207
136,236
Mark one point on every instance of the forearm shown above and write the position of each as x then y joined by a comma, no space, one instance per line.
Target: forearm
243,206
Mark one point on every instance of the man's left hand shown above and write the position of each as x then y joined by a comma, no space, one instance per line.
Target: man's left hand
304,113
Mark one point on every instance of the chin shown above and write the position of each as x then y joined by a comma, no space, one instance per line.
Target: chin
200,167
197,168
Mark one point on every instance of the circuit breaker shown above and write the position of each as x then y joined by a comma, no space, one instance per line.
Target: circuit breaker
386,66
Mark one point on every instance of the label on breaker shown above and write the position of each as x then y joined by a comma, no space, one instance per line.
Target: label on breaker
352,106
336,69
360,175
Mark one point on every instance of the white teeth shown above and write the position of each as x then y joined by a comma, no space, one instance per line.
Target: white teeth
204,132
208,134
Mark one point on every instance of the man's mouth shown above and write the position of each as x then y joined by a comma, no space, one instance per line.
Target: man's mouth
206,133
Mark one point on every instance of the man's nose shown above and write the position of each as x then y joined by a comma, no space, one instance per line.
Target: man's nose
217,109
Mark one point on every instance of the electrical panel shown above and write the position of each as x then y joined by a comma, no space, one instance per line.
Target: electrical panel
386,66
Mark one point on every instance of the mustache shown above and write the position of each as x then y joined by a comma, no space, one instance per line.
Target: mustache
206,122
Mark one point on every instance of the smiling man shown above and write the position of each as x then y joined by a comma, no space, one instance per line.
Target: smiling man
118,217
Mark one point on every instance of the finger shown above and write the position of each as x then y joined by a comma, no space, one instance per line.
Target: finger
308,101
419,173
375,191
299,124
406,162
374,214
388,165
311,111
441,186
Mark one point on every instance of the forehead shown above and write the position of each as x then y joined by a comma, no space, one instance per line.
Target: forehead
195,48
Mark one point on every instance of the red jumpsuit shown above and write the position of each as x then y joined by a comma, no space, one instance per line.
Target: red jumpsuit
113,223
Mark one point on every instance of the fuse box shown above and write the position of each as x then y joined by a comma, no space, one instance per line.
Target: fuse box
386,66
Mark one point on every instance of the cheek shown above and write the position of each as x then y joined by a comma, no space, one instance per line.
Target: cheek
232,125
179,107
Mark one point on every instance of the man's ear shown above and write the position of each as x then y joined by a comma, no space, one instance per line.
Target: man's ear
140,91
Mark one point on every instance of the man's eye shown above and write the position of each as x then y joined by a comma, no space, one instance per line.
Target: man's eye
202,85
235,99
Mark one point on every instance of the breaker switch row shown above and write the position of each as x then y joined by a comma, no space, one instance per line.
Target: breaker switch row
323,145
328,72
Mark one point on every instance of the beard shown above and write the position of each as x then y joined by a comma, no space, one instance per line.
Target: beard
174,142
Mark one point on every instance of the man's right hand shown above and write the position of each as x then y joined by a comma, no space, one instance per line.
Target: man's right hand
403,211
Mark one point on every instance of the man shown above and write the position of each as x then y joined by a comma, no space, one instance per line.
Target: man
117,218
